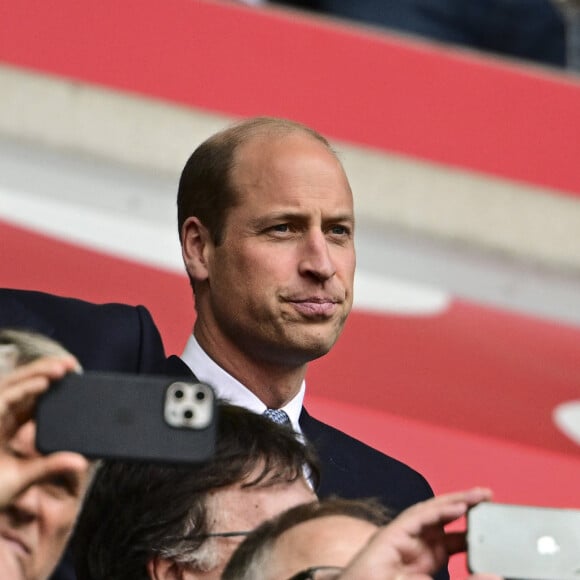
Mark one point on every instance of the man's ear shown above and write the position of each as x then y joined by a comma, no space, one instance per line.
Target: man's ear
196,245
163,569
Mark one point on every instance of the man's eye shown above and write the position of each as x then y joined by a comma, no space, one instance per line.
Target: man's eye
61,485
339,230
281,228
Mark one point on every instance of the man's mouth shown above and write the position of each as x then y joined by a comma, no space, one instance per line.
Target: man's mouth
15,543
315,307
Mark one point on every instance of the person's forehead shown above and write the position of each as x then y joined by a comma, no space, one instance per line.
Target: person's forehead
288,171
326,541
267,152
249,506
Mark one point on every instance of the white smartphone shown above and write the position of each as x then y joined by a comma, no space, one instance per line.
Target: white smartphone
524,542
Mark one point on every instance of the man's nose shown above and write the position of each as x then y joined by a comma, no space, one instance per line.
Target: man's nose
316,258
25,507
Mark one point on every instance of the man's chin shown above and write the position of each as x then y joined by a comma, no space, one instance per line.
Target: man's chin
11,565
312,347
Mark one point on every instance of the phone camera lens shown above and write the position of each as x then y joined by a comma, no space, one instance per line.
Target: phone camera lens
178,394
188,414
200,395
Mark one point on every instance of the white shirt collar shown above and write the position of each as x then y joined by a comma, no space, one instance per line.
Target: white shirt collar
229,388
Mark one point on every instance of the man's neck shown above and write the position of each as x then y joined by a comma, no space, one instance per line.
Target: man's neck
274,384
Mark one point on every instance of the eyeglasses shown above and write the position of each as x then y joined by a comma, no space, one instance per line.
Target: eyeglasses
194,536
318,573
225,534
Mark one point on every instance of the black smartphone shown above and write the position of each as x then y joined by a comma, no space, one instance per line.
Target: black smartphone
126,416
524,542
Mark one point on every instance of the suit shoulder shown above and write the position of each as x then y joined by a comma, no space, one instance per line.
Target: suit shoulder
360,470
109,336
22,307
328,435
44,302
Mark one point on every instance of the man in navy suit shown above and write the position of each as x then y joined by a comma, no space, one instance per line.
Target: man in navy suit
266,224
108,337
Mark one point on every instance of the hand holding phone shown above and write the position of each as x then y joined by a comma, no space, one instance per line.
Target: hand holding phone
20,389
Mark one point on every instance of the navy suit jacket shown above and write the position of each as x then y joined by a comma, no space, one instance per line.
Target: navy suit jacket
107,337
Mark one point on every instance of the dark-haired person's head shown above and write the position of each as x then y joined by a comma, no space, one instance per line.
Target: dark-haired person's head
144,521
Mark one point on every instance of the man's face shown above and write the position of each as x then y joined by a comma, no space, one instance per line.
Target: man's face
35,527
241,509
280,285
325,541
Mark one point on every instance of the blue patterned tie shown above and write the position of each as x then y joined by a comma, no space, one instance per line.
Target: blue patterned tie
277,416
